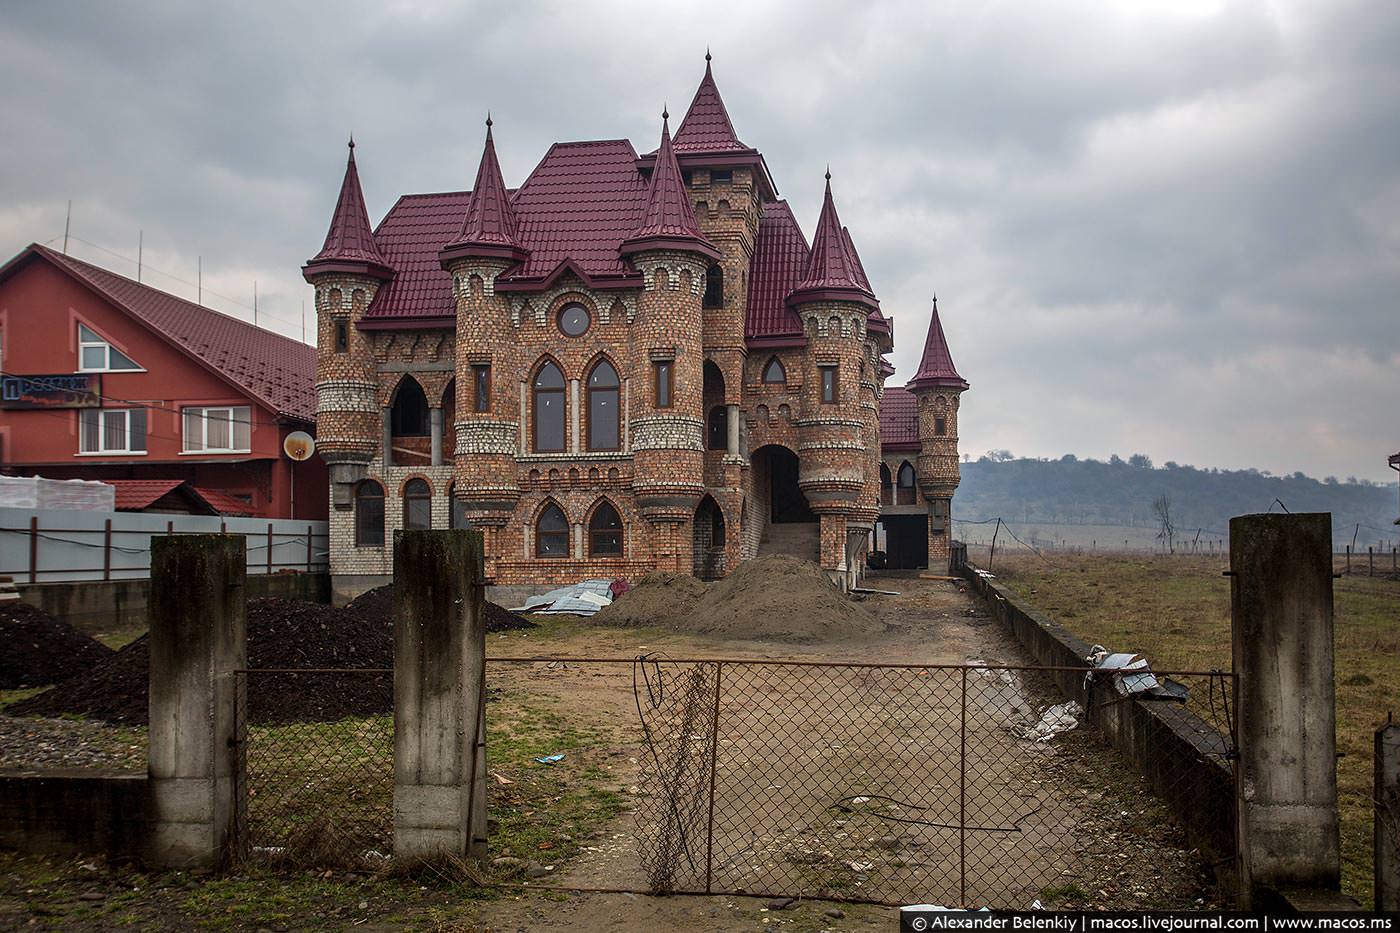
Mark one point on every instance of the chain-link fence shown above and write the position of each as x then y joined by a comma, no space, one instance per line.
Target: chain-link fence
318,766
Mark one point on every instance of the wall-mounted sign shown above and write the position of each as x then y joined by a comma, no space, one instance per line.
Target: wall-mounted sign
64,390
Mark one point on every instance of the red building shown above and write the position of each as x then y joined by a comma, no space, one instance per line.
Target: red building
108,379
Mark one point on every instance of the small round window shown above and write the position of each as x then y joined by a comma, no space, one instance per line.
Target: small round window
573,320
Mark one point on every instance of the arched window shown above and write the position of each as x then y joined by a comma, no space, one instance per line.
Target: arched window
369,514
417,505
906,484
409,416
552,533
605,532
886,486
773,373
456,509
719,428
714,287
604,422
549,409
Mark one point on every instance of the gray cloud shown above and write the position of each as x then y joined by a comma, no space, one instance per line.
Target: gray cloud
1168,227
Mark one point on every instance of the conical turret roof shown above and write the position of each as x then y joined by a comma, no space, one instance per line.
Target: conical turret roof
706,126
833,270
350,245
668,223
936,369
489,227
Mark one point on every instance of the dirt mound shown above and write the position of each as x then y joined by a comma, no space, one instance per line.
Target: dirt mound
39,649
282,633
656,599
775,598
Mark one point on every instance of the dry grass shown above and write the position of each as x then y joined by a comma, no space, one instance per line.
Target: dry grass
1176,610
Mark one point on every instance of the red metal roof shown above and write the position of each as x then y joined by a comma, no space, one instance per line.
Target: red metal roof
223,503
350,242
272,369
936,367
133,495
706,126
411,236
489,228
668,222
876,318
899,419
833,271
779,258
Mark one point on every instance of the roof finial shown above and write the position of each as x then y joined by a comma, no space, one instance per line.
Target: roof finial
707,53
488,119
828,174
352,143
665,113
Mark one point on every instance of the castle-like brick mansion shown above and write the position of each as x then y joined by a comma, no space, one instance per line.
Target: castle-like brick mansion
630,362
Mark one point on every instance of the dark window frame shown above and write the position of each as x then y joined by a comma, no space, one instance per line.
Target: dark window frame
342,336
398,411
768,368
481,387
552,508
366,534
714,287
717,428
940,426
536,392
587,316
664,383
417,494
613,545
601,392
721,176
830,376
906,493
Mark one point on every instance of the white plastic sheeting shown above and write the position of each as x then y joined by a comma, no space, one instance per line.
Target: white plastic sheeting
36,492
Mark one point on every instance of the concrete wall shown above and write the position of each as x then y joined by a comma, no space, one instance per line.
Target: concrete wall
1175,751
74,811
97,606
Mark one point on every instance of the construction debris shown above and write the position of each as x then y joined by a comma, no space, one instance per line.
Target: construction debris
581,599
1054,720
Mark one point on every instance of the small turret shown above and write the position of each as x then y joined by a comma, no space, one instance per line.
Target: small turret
939,389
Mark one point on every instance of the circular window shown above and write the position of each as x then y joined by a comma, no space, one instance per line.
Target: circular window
573,320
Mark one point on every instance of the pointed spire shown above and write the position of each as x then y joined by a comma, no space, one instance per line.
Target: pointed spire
833,269
489,227
668,223
706,126
350,245
936,368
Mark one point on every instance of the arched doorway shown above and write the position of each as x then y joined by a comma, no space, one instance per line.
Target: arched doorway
788,522
708,539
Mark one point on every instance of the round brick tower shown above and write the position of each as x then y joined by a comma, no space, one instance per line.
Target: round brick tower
346,274
668,442
939,389
834,302
487,424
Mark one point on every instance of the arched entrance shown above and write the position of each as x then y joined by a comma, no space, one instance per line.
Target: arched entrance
708,539
789,524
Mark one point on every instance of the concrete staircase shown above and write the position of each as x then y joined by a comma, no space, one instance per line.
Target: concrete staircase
795,539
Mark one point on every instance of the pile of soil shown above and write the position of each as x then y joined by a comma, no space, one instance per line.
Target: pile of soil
776,598
282,633
36,649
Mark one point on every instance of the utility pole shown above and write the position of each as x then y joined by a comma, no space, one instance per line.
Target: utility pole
140,252
67,219
255,302
199,278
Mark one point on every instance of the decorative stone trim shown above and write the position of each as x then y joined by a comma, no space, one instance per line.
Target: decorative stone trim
668,432
344,395
486,437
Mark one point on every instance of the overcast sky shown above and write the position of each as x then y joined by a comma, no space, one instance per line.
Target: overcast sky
1166,226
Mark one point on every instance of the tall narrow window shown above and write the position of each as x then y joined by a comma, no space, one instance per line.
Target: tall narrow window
773,373
940,425
886,486
604,423
828,384
481,387
905,492
605,532
664,369
112,431
417,505
718,428
714,287
549,409
369,514
218,430
552,533
96,355
342,336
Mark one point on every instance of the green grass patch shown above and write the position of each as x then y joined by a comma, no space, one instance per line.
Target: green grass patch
8,697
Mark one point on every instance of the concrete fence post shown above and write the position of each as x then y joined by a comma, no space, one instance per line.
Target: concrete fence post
1387,831
1281,608
198,626
439,688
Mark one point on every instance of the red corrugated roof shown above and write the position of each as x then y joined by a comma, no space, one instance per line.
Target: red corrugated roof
489,228
899,419
350,241
668,221
275,370
133,495
411,236
936,366
832,268
779,257
223,503
706,127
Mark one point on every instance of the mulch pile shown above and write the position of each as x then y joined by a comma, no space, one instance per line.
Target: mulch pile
37,649
775,598
282,633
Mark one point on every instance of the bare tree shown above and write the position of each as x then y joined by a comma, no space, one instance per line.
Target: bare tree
1166,531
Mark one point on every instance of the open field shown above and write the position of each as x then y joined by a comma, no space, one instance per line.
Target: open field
1176,611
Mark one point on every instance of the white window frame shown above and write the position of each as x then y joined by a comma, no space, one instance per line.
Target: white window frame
103,415
107,348
202,441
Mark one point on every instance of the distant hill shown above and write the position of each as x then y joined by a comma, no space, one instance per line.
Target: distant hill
1049,498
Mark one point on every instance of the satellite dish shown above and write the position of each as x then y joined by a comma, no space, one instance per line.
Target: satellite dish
299,445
